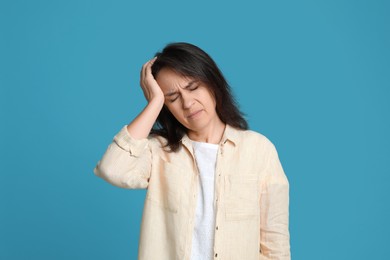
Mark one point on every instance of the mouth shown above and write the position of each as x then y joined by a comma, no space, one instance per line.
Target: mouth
192,115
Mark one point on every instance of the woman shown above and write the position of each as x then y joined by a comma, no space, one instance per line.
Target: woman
215,189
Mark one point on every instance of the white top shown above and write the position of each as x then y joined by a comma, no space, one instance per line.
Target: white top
203,235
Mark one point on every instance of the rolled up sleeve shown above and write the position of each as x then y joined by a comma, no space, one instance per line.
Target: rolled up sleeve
274,217
127,162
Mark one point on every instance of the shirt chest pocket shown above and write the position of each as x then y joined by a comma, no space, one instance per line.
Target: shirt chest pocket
164,188
242,196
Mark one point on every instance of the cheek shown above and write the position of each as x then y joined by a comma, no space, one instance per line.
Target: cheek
209,100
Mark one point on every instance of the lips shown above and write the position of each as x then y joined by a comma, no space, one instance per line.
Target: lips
194,114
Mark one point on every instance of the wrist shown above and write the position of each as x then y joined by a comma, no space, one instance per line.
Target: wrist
159,101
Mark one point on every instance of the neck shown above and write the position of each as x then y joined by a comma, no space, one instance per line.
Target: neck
211,134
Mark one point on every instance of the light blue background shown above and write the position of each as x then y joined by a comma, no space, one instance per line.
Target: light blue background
313,76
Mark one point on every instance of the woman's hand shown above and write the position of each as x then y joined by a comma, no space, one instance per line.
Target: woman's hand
140,127
148,83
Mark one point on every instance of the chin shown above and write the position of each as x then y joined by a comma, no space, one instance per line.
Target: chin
198,127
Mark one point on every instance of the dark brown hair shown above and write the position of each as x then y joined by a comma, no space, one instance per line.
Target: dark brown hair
189,60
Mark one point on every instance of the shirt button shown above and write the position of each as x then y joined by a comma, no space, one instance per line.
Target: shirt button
216,227
216,254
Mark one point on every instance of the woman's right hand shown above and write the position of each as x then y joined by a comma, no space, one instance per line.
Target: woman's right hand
149,84
140,127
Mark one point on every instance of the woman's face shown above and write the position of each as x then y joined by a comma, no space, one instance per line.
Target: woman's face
189,100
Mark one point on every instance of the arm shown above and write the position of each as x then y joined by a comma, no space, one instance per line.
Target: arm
143,123
127,160
274,218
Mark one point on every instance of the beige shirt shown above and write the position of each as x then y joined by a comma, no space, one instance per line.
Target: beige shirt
251,196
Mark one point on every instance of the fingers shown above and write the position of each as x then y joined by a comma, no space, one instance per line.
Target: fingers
147,81
146,68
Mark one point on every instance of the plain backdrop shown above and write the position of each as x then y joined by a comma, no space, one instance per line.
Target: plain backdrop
312,76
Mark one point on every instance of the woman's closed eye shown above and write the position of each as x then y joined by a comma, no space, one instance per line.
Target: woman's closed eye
174,98
194,87
190,88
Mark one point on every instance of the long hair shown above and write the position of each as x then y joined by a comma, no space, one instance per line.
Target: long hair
191,61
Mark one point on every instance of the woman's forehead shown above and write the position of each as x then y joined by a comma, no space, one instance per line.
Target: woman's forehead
169,80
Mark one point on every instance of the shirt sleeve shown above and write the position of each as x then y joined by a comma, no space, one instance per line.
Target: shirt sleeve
274,207
127,162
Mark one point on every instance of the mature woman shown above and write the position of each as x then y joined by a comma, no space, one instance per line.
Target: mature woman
215,190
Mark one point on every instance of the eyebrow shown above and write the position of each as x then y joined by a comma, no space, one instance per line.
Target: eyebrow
175,92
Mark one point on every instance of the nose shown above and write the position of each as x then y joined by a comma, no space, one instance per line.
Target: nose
187,100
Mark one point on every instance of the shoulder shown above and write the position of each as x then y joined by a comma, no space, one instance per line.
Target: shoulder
157,140
255,142
253,135
254,138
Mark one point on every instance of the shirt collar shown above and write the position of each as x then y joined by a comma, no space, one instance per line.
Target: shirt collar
230,134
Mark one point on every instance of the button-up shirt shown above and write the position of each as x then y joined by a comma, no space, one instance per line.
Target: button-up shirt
251,195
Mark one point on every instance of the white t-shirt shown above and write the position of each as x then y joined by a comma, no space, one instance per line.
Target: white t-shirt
203,235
